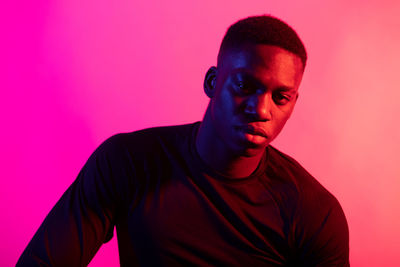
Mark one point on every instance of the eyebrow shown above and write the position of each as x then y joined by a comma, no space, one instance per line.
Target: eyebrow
247,75
286,89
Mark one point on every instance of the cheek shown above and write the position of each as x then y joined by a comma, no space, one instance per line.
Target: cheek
233,103
281,116
224,105
219,112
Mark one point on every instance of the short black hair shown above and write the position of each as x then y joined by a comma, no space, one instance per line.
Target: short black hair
264,29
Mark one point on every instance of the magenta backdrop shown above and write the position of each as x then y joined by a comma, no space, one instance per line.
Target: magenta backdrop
75,72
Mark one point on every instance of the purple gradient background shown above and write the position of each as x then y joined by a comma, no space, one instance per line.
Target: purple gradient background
75,72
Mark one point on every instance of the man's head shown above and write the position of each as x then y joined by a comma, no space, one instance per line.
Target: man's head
253,89
266,30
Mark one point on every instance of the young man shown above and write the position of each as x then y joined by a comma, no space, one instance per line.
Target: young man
212,193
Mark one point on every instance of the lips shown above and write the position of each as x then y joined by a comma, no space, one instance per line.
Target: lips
254,130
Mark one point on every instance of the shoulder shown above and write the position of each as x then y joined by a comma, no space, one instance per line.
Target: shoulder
312,201
131,160
145,152
319,224
146,140
281,162
291,171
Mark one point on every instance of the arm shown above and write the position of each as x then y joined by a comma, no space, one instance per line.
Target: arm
325,237
81,221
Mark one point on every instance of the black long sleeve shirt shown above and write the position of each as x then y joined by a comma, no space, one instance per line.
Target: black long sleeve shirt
170,209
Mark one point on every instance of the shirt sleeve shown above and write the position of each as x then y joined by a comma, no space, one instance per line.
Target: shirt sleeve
82,220
324,235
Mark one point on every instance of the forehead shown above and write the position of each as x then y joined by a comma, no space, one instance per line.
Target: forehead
263,62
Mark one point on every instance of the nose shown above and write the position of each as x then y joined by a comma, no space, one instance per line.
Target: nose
258,107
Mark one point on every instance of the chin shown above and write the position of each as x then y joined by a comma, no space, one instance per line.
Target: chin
250,151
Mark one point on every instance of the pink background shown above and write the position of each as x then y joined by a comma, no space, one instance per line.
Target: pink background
75,72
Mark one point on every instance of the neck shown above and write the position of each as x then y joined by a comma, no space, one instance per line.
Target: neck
215,154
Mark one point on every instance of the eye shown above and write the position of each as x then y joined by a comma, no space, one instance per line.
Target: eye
281,98
243,87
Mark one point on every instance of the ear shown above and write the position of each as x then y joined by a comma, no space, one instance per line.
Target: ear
210,81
